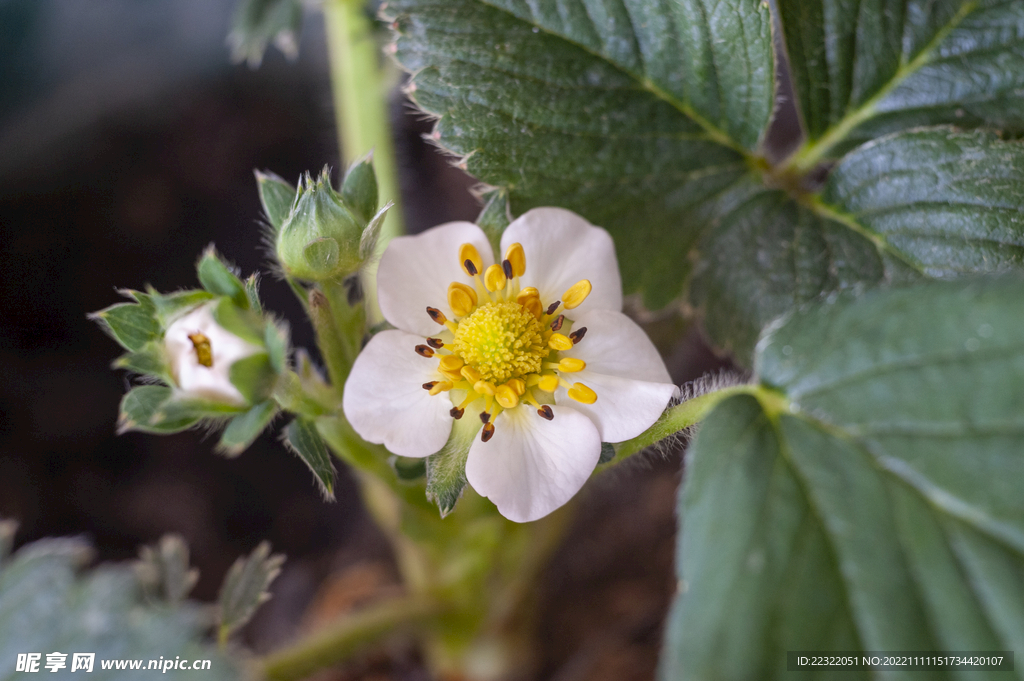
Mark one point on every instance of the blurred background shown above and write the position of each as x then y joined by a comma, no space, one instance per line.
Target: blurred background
127,144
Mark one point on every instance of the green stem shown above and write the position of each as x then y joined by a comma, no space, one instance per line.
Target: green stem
361,113
347,636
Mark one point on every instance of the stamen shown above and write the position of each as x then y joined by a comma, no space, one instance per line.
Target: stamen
435,343
576,294
441,387
506,397
456,413
451,363
571,365
528,292
204,351
506,267
429,384
582,393
494,278
487,432
546,413
577,335
517,256
552,307
484,387
424,351
437,315
461,298
470,374
557,324
517,384
485,417
548,383
559,342
470,259
532,306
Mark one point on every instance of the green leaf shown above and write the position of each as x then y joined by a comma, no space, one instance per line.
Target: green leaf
302,438
171,305
217,278
252,292
163,570
245,428
359,188
277,197
407,468
245,588
254,376
257,23
243,323
863,69
636,115
276,338
446,470
129,324
150,360
142,407
873,503
48,605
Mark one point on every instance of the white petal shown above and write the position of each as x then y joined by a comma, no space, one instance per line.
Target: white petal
385,401
562,248
415,272
532,466
624,369
194,379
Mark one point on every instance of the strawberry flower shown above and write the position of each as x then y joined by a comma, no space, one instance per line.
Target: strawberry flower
535,347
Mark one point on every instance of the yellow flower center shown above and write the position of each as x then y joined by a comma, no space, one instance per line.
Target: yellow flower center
506,348
501,340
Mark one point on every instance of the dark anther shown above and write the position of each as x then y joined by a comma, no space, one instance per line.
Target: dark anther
436,315
470,267
437,343
485,417
545,412
424,351
557,324
429,385
506,266
487,433
457,413
577,335
553,306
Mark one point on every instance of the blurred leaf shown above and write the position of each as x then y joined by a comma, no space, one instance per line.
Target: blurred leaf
607,453
8,528
142,404
882,510
637,115
301,437
254,376
495,217
217,278
252,293
243,429
245,588
407,468
277,197
446,470
163,570
245,324
865,69
359,188
46,605
276,338
257,23
129,324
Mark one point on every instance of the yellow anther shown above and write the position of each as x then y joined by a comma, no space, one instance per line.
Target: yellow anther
582,393
494,278
461,299
518,385
517,256
470,374
441,387
534,307
559,341
548,383
506,396
576,294
451,363
528,292
484,387
453,376
571,365
469,259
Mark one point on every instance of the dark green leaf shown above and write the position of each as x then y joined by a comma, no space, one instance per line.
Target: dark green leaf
217,278
302,437
359,189
277,197
409,469
635,114
862,69
257,23
446,470
881,509
607,453
254,376
244,428
163,570
147,403
129,324
46,606
245,588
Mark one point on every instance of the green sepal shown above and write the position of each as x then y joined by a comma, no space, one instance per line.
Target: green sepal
171,305
277,197
150,360
368,241
163,570
254,376
359,188
257,23
252,292
245,428
495,217
179,408
276,339
245,324
607,453
217,278
245,588
446,470
131,325
302,437
141,404
322,256
407,468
